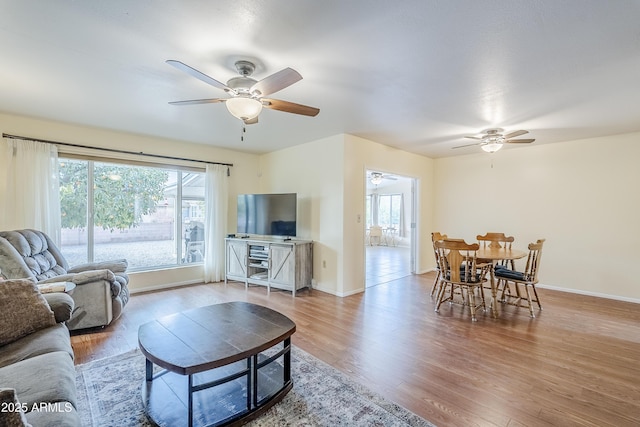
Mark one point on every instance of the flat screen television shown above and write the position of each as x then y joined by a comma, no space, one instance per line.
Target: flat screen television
268,214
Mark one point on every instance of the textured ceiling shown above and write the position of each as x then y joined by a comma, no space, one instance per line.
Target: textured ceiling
417,75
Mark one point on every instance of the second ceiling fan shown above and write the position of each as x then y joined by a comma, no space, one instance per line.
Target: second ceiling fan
491,140
247,94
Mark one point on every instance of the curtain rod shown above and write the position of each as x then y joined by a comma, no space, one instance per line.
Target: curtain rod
113,150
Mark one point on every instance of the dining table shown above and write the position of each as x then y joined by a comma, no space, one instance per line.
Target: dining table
493,255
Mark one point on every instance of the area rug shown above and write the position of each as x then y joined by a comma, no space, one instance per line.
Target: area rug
109,395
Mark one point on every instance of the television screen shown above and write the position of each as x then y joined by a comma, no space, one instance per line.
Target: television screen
267,214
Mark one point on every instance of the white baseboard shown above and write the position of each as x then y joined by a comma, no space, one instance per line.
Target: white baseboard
322,289
576,291
164,286
346,294
588,293
333,292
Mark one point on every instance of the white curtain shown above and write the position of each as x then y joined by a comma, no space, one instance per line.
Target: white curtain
31,190
215,228
375,208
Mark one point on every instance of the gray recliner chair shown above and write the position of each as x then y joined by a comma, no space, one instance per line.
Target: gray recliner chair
101,288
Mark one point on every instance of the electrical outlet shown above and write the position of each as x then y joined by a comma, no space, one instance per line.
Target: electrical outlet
324,264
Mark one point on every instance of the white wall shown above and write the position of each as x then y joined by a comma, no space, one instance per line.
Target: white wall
582,196
362,155
330,174
315,172
243,174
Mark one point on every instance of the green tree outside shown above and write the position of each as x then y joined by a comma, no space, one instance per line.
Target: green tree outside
122,194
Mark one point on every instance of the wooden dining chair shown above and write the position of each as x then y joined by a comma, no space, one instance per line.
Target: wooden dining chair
526,279
436,236
497,240
459,269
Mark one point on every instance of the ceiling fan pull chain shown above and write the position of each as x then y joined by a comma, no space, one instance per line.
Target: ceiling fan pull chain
242,132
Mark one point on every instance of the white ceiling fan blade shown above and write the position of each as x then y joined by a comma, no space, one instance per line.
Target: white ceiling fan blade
199,75
198,101
275,82
467,145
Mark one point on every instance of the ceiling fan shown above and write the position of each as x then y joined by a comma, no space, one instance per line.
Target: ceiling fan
491,140
377,177
247,94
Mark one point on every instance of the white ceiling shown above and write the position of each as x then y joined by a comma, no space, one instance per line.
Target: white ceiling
417,75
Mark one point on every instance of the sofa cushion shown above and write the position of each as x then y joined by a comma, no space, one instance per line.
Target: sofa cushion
11,410
54,338
47,378
64,415
505,273
23,310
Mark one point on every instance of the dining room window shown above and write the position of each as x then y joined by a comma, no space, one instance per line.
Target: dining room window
389,210
152,216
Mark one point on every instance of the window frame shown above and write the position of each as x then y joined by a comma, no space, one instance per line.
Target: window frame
380,197
179,230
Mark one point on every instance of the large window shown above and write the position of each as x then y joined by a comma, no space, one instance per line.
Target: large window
153,217
383,210
389,210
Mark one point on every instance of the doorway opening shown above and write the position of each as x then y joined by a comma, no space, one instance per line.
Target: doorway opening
389,219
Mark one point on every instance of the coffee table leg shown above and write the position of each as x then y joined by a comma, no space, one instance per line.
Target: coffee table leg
254,370
249,381
287,361
148,370
190,408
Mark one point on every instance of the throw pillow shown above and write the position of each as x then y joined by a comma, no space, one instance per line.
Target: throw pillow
23,310
12,414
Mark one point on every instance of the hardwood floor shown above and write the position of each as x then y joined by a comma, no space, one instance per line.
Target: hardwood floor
576,363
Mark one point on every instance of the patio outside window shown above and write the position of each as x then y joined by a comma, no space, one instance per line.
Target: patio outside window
112,210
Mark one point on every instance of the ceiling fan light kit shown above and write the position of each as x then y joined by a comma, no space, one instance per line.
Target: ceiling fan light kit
244,108
491,147
376,178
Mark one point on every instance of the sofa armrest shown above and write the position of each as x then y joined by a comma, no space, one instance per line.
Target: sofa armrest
117,266
84,277
61,304
60,278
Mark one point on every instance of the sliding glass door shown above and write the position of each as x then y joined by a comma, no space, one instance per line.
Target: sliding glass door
152,216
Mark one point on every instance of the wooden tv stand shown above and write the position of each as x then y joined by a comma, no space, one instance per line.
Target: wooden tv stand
271,262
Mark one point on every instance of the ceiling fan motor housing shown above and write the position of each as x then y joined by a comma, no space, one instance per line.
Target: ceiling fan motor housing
245,68
241,85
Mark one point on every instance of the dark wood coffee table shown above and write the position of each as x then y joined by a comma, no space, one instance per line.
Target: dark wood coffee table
223,364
